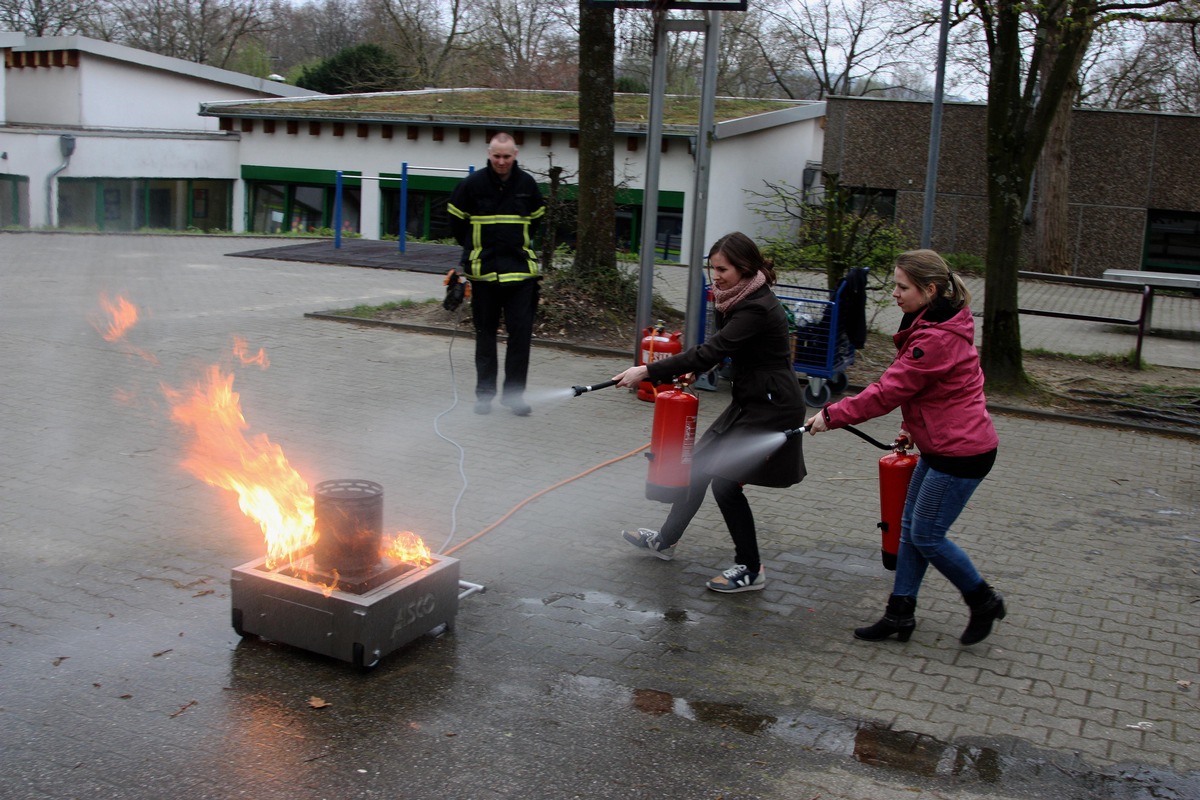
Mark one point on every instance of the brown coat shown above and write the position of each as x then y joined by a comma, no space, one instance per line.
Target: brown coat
767,395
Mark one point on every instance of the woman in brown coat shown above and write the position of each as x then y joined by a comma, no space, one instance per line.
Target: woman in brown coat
752,330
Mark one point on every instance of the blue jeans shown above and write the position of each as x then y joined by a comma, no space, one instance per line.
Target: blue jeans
934,502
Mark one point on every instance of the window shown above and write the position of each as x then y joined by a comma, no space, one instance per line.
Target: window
308,208
301,208
668,236
1172,241
268,205
881,202
426,212
14,201
123,204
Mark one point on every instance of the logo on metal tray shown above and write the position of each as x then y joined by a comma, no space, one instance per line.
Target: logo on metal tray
412,611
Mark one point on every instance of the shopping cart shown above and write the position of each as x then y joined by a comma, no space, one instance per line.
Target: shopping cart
821,348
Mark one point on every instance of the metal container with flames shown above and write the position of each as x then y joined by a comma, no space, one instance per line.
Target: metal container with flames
345,597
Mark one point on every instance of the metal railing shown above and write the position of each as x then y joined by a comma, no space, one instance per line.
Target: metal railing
1142,320
402,228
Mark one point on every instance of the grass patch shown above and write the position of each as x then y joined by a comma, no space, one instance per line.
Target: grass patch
1110,360
370,312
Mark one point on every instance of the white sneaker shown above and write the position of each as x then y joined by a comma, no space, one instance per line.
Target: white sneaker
738,579
650,540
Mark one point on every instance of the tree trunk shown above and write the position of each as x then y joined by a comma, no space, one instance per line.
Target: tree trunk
1052,252
1018,122
1007,117
1001,349
596,248
1051,248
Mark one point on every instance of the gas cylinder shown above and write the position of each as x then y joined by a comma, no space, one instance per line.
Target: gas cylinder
671,443
895,471
657,344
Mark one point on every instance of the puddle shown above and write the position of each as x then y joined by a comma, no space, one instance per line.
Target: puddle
587,601
1014,766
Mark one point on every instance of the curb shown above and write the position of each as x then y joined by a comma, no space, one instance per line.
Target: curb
998,408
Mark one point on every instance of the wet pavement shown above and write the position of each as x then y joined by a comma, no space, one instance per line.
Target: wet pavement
585,669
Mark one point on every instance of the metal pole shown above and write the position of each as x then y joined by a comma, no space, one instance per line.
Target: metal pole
337,213
403,204
694,328
658,88
935,130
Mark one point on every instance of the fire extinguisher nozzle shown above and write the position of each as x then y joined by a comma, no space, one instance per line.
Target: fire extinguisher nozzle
578,390
795,432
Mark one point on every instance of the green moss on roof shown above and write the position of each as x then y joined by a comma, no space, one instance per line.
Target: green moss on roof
496,105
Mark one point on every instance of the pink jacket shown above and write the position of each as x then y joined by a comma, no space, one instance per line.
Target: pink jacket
937,382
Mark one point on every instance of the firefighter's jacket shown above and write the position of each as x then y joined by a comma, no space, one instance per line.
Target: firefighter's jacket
495,222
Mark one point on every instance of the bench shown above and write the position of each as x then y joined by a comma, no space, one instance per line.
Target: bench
1161,280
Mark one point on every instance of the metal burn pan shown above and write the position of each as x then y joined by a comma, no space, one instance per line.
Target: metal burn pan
360,621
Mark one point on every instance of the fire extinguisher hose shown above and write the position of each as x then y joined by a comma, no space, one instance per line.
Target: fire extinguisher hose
536,495
870,439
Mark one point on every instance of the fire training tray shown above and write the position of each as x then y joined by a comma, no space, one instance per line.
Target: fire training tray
357,627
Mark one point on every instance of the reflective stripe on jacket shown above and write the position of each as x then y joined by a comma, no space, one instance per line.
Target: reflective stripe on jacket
495,221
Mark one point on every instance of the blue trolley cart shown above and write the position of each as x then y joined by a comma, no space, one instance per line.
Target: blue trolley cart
821,350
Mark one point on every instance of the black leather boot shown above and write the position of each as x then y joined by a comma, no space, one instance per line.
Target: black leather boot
898,619
987,606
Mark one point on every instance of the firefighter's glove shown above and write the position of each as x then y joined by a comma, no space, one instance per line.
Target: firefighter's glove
456,290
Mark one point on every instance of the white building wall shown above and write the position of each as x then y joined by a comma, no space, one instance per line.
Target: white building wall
116,94
741,164
44,96
145,156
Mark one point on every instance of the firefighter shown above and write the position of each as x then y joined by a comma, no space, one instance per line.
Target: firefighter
494,214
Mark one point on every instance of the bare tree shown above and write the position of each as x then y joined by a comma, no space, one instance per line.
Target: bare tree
48,17
202,31
302,34
524,44
849,47
1034,54
1142,66
427,35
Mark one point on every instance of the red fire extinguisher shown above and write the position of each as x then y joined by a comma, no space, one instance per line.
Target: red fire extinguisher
895,471
657,344
671,442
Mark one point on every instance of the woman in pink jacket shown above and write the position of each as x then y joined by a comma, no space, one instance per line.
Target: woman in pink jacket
937,382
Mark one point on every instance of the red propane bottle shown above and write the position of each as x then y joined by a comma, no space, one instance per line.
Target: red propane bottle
671,443
895,471
656,345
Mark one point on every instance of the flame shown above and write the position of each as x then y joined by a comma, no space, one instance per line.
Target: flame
122,315
240,348
269,490
326,588
409,548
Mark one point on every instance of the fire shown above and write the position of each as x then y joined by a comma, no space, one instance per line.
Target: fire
122,315
269,490
410,549
240,349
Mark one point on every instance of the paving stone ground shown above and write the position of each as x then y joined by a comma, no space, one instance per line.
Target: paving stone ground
586,669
